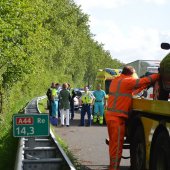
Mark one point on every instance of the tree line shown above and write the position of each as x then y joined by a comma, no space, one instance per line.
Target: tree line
42,41
46,40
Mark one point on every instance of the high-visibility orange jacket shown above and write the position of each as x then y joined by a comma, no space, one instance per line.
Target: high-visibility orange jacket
120,93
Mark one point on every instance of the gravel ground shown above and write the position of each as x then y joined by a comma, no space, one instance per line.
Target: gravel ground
88,144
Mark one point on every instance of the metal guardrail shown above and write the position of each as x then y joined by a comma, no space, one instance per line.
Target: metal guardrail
40,153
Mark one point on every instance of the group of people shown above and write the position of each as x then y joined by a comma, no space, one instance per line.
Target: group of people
60,100
95,101
61,103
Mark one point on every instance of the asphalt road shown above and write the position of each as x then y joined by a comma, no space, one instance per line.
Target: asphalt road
88,144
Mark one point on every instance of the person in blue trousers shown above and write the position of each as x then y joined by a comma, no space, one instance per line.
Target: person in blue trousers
58,88
54,102
86,101
99,104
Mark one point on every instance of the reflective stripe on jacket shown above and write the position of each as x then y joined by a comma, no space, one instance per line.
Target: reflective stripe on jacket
120,93
87,98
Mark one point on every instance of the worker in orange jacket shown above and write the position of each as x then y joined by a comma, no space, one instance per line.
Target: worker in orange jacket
118,106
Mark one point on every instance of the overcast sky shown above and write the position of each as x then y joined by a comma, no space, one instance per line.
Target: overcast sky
130,29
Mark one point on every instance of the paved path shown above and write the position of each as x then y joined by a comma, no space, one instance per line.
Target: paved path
88,144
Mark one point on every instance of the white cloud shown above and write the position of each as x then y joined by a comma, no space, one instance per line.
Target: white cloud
107,4
159,2
126,44
138,43
110,4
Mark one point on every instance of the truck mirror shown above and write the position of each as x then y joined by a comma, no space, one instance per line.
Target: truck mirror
165,46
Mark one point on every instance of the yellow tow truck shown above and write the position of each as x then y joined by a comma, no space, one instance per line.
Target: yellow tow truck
148,132
148,128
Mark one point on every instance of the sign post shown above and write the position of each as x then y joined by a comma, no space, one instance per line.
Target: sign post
30,125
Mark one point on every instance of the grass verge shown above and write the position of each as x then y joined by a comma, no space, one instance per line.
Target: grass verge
42,104
8,144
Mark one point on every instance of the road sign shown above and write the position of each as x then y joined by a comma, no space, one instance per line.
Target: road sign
29,125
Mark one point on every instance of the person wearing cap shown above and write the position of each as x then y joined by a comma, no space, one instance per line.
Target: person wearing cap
86,100
119,103
99,104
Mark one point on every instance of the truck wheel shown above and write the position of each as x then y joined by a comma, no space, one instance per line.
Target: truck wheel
137,149
161,152
158,92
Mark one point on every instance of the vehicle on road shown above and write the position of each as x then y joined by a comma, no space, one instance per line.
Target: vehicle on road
76,102
105,76
78,93
149,126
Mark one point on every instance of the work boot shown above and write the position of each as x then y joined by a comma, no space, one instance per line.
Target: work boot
101,120
94,119
107,141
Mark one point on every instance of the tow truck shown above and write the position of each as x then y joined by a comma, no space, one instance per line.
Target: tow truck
148,126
